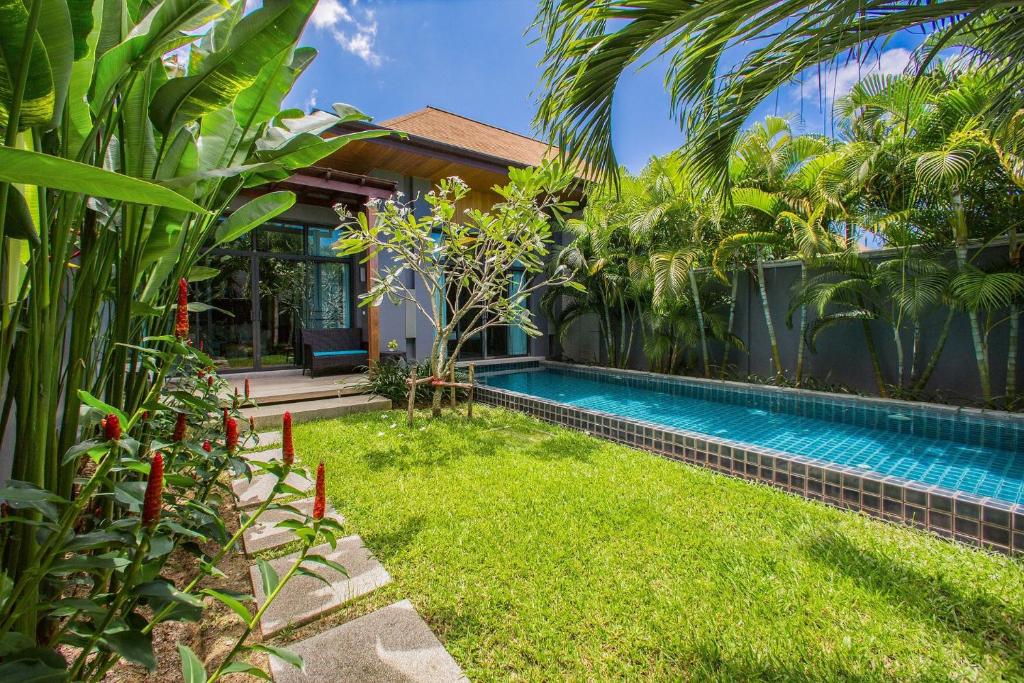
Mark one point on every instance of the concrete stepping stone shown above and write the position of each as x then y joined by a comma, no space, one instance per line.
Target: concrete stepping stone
253,492
265,456
269,438
391,644
304,598
265,534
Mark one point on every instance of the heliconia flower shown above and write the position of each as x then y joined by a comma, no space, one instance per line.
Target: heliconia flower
180,426
154,487
181,321
320,502
231,434
111,427
287,447
246,388
207,446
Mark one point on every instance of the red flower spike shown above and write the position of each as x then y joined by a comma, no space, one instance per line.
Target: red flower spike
231,434
252,423
112,428
209,381
320,502
224,419
180,426
287,447
154,488
181,320
246,388
207,446
201,374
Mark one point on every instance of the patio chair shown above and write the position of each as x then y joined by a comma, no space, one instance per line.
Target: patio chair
337,350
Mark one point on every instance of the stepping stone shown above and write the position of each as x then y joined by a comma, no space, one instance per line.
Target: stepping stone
254,492
265,534
320,409
304,598
264,456
269,438
391,644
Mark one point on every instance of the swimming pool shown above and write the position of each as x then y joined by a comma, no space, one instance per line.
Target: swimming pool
959,458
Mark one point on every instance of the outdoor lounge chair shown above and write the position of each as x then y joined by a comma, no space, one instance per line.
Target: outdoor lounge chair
338,350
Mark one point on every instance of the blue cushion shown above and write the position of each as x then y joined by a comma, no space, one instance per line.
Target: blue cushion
332,354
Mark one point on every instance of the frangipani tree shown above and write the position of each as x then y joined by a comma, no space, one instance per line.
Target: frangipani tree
478,269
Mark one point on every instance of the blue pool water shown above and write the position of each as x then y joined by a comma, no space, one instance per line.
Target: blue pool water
981,470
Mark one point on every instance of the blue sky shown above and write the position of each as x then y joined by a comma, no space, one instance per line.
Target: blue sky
390,57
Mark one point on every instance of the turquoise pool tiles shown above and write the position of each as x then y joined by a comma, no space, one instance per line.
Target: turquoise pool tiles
981,470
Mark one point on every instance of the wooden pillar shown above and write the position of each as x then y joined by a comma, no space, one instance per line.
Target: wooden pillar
372,312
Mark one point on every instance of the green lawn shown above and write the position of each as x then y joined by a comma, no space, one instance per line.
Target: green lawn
538,553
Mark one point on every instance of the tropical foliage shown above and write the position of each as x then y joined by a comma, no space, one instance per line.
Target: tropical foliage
128,129
916,169
478,269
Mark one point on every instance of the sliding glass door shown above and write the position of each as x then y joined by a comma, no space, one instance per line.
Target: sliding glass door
271,284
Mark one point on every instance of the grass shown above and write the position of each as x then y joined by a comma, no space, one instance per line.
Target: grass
539,553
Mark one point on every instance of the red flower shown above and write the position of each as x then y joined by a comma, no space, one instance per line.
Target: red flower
224,419
246,388
207,446
252,423
287,448
181,321
320,502
234,399
111,427
179,427
231,434
209,381
201,373
154,487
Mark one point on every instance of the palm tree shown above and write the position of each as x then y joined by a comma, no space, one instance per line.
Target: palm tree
589,45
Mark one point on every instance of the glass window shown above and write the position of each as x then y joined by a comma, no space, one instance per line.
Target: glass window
328,297
280,238
319,241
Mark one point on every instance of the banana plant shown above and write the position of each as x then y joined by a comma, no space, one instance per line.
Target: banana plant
129,128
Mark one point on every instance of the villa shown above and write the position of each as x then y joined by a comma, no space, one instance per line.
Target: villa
284,276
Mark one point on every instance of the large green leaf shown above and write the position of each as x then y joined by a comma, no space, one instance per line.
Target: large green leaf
166,27
257,39
39,96
55,32
191,668
261,101
44,170
252,214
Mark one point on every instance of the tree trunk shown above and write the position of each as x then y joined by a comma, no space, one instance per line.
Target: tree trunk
776,358
876,366
933,360
803,328
732,317
980,348
898,341
1011,357
700,324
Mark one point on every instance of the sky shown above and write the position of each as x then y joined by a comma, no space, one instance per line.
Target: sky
475,58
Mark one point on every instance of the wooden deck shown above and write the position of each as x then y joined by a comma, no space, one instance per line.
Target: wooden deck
287,386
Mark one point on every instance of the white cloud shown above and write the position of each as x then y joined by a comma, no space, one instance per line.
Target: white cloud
838,82
328,13
352,27
311,100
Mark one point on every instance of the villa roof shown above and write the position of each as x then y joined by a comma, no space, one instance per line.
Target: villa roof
459,131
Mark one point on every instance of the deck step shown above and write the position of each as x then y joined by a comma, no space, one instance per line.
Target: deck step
304,598
252,492
264,534
304,411
288,386
391,644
